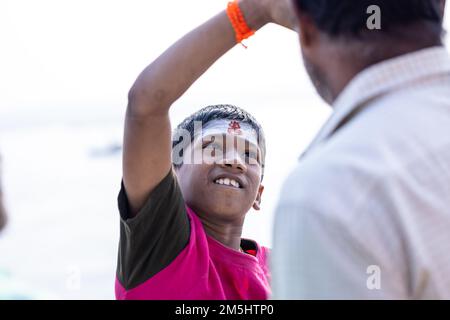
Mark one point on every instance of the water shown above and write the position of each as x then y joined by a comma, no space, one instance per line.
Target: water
61,181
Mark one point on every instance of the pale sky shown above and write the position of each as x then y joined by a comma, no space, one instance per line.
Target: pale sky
70,55
80,54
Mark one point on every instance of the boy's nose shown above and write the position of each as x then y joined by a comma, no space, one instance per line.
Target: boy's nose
234,161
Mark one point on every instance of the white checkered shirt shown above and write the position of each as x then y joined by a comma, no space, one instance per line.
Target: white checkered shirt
366,213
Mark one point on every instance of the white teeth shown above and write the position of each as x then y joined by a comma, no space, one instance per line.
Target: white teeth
228,182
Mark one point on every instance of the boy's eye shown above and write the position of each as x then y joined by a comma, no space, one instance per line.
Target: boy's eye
210,145
251,155
212,149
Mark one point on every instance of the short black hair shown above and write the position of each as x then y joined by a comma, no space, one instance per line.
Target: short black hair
349,17
222,112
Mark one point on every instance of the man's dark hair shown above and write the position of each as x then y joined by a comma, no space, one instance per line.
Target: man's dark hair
223,112
349,17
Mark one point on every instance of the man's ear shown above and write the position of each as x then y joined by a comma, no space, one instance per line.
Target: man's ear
307,30
257,203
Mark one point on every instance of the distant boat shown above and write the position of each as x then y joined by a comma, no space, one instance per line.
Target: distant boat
112,149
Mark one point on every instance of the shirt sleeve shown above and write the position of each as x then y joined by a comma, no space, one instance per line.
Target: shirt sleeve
151,240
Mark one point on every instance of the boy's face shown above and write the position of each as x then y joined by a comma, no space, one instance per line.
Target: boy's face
221,174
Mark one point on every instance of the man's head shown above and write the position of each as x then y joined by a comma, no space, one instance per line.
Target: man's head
340,38
218,155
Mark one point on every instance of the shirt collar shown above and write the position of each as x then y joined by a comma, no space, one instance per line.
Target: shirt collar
380,79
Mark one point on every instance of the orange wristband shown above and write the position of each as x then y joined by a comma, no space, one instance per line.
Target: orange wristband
240,26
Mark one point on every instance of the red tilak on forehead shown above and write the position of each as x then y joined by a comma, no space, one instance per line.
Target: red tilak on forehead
234,127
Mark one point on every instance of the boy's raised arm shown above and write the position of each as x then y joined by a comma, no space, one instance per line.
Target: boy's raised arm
147,140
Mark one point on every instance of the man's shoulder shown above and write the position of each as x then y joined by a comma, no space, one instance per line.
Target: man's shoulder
336,178
395,122
375,152
388,133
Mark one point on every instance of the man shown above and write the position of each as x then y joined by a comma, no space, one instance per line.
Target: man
182,220
365,214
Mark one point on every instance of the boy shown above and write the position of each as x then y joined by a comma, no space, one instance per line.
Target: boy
181,225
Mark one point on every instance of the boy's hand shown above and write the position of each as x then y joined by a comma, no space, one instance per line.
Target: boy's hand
281,12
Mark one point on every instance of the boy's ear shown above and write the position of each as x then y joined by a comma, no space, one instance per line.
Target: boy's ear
257,203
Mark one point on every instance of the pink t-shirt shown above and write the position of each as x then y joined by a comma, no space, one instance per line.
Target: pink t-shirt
206,270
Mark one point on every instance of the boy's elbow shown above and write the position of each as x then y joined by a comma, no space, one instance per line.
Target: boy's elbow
144,102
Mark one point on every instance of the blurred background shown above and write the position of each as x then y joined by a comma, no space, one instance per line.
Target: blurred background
65,71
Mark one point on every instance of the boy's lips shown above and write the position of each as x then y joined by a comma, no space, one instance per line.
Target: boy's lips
229,180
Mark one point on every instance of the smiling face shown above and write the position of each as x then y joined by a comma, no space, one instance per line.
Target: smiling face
226,182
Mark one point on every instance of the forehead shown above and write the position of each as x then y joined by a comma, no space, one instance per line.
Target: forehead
230,129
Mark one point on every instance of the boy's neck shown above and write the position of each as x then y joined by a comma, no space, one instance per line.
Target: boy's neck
228,234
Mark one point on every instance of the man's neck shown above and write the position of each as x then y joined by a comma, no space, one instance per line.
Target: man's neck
349,63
